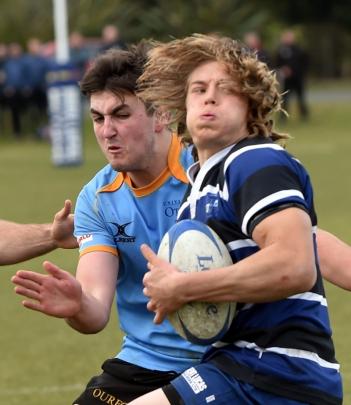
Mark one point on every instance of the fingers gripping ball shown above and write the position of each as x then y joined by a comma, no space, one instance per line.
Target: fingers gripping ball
193,246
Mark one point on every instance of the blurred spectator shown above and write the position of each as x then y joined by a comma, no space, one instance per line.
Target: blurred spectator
110,38
292,64
3,56
13,85
254,42
34,90
79,52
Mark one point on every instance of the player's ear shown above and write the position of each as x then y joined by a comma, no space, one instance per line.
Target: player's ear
162,119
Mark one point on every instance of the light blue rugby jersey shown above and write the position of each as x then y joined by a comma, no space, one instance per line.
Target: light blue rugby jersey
112,216
284,347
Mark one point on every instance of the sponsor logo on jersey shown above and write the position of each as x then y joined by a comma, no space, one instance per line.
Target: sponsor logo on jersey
193,378
107,398
84,238
122,234
171,207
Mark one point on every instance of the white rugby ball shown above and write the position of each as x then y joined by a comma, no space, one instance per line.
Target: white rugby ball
193,246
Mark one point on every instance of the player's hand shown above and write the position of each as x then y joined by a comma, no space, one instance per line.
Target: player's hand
161,285
62,228
56,293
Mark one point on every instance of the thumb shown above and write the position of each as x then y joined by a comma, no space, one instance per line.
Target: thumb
65,211
148,253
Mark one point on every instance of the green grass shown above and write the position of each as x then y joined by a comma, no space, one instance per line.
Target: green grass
43,361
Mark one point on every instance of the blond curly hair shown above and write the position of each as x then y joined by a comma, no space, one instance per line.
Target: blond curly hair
164,82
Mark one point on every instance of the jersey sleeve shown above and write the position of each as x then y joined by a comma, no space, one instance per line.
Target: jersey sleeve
89,225
266,180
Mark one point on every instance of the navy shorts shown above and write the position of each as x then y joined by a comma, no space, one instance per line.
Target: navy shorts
206,384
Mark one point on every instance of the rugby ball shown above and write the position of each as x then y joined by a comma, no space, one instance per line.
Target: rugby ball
193,246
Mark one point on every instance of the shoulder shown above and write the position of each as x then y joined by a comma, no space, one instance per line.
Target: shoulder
103,178
255,151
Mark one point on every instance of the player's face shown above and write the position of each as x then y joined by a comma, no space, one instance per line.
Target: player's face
216,114
123,130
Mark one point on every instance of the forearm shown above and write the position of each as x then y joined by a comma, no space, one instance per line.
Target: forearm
19,242
257,278
91,317
335,259
284,266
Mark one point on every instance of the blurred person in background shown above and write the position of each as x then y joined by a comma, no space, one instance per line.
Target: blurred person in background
34,89
19,242
292,65
3,56
13,86
111,38
79,52
254,42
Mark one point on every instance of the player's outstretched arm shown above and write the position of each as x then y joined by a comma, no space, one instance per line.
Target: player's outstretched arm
56,293
20,242
335,259
84,301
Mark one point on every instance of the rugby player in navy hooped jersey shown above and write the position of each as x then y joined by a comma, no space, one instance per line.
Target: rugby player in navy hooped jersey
132,200
259,199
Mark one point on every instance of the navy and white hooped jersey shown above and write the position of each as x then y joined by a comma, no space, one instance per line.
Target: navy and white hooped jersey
284,346
112,216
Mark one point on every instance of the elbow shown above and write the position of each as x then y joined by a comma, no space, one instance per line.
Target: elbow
305,277
299,276
88,326
90,331
308,278
96,327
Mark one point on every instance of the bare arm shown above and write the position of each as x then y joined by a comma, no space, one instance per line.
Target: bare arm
335,259
97,273
83,301
284,266
19,242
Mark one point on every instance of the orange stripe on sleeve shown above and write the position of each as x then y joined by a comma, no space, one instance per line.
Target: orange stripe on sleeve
101,248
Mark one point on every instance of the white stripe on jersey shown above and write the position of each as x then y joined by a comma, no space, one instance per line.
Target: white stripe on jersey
239,244
266,201
307,296
310,296
237,153
182,208
302,354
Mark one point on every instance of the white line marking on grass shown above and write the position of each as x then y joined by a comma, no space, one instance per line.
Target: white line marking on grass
41,390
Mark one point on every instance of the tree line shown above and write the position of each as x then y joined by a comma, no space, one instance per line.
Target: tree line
323,26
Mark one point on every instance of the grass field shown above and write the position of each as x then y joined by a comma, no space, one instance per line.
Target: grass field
43,361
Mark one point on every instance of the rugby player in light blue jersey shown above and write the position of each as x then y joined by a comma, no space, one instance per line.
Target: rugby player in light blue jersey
259,200
133,200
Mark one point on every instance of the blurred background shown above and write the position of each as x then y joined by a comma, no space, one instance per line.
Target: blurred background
307,43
